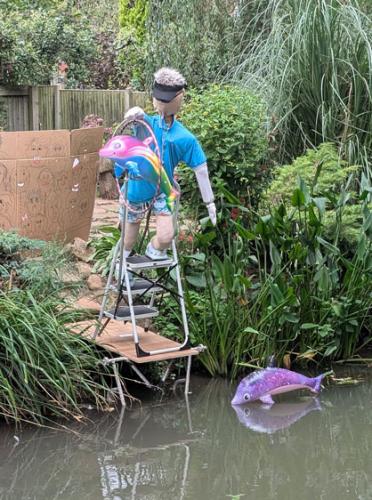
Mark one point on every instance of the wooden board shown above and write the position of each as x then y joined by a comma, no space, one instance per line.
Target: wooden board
111,340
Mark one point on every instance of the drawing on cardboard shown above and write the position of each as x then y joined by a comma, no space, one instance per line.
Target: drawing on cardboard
48,182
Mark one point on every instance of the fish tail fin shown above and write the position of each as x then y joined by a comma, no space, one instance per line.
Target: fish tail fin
318,383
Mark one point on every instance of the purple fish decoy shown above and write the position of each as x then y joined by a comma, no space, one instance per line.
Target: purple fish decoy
263,384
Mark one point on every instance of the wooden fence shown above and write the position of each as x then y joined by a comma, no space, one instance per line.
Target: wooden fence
50,107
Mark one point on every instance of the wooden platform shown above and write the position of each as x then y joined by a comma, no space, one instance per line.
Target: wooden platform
111,339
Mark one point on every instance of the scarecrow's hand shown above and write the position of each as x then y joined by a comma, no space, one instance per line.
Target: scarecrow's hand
212,212
135,113
205,187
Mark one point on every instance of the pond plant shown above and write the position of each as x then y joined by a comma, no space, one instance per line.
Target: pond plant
45,371
280,286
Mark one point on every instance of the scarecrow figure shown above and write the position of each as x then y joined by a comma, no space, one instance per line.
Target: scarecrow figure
177,144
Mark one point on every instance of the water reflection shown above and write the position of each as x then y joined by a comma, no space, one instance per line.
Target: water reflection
168,451
270,419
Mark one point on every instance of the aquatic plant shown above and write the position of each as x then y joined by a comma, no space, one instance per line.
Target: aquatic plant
280,286
44,370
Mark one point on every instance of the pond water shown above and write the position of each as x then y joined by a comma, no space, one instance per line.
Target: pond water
301,448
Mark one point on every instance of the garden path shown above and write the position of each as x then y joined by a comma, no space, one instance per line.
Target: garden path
105,213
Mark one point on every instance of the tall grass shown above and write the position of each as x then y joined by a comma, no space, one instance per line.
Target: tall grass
45,371
312,62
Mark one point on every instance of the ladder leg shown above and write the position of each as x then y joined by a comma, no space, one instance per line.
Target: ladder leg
118,383
188,370
107,289
180,293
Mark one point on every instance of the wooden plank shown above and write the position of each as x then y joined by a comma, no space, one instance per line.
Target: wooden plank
17,113
57,107
21,91
110,105
149,341
46,107
33,103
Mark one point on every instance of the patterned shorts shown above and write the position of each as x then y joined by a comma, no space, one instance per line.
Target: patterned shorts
140,209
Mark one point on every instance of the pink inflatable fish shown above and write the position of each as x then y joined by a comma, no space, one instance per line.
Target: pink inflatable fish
135,156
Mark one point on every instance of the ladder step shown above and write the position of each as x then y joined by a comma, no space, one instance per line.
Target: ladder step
140,312
143,262
139,287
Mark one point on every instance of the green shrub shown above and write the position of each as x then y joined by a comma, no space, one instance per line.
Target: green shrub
229,123
322,168
325,173
38,40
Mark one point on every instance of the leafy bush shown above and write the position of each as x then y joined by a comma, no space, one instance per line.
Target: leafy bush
320,168
325,173
12,248
38,39
229,123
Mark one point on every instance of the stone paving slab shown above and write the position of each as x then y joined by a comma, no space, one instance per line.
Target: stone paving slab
106,213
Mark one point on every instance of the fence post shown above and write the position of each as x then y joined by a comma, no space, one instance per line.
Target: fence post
33,108
57,106
128,99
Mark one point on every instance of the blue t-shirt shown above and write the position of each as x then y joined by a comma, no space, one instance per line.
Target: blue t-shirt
176,144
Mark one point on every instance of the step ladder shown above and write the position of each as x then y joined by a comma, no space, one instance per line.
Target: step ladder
133,284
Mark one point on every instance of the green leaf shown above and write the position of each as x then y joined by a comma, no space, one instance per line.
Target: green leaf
330,350
298,198
275,256
320,204
197,280
249,329
309,326
332,248
244,233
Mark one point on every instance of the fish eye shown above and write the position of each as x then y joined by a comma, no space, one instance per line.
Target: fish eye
246,397
116,145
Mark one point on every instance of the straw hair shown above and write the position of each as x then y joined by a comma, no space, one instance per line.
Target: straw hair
170,77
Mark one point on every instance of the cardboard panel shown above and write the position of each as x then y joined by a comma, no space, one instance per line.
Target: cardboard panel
41,203
86,140
83,188
80,231
8,193
8,145
45,192
43,144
